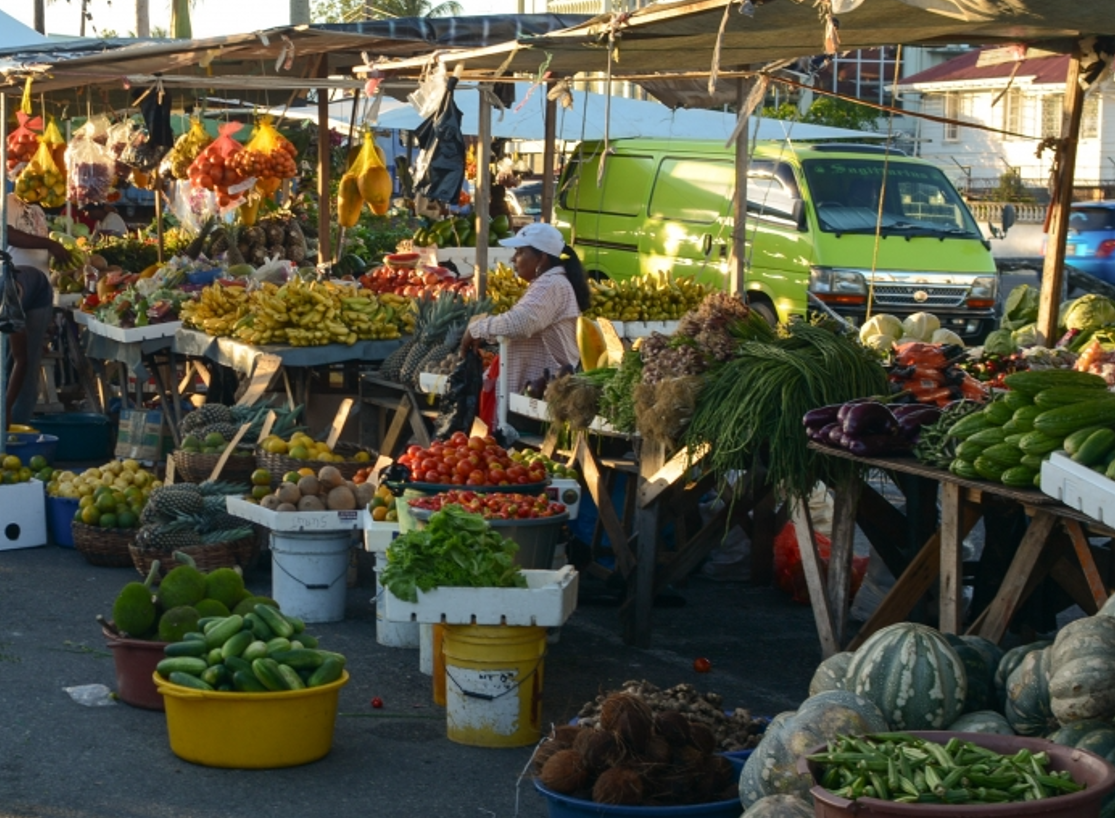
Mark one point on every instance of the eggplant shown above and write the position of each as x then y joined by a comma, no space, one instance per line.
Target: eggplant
875,445
909,425
836,433
870,418
900,410
845,408
821,417
823,435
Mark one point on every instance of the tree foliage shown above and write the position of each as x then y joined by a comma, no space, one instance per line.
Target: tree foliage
836,113
349,11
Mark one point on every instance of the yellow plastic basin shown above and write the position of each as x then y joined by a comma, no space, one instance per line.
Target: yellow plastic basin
250,730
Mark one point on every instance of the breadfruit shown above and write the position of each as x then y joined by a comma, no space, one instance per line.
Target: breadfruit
185,585
248,605
211,607
177,622
224,585
134,610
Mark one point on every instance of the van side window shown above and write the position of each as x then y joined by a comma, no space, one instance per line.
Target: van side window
771,190
691,190
621,193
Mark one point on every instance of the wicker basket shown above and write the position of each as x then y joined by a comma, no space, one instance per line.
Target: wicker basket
104,546
207,557
280,464
194,467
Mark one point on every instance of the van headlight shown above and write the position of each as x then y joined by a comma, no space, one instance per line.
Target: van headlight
985,287
828,281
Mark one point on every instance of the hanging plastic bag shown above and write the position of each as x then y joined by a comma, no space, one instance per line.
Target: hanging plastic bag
23,142
41,182
372,176
192,206
52,136
12,317
90,172
442,161
268,154
213,169
789,575
186,149
460,403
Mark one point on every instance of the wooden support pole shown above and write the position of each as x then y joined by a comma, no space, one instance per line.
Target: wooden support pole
652,457
549,146
839,584
483,190
739,202
324,167
1053,269
815,580
1087,562
1011,589
952,596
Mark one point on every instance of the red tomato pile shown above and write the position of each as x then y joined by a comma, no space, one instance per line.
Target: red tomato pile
497,506
469,461
414,282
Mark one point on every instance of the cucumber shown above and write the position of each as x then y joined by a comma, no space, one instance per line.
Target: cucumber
181,664
256,650
330,671
988,469
1064,420
1033,461
1109,459
1066,396
1032,382
196,635
214,675
295,623
1074,441
1013,440
1013,427
189,647
1110,472
214,656
998,412
259,627
296,645
1039,443
245,682
307,640
236,644
235,663
298,659
1016,400
291,678
1027,414
1037,480
1003,454
223,630
186,680
279,643
340,657
989,437
1096,447
1018,477
968,450
275,620
969,425
205,620
267,672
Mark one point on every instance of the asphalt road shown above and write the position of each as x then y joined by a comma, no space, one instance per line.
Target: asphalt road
60,759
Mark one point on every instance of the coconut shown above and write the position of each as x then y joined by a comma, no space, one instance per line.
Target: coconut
340,499
543,753
330,477
270,502
657,750
630,718
364,493
564,735
288,493
702,738
672,726
619,785
599,749
311,502
287,507
309,485
563,772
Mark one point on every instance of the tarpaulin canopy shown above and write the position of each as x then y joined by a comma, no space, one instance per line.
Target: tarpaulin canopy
13,33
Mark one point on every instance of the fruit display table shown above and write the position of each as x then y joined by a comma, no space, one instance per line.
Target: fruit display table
1054,545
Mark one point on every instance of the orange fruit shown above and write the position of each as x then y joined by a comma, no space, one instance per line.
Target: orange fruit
379,513
90,515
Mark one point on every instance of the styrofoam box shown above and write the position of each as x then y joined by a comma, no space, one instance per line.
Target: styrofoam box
535,408
302,521
67,301
1078,487
465,257
432,384
644,329
22,515
548,600
379,535
133,335
567,492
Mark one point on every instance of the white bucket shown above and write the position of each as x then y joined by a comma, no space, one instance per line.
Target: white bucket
308,573
426,648
392,634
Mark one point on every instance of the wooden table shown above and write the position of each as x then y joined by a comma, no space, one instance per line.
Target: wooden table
1040,553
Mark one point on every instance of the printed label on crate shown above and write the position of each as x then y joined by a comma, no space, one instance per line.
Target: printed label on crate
140,436
484,699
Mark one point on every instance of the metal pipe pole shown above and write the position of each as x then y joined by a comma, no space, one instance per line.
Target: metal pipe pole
324,204
549,144
4,245
483,191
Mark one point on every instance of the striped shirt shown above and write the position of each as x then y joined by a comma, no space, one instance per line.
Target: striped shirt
541,329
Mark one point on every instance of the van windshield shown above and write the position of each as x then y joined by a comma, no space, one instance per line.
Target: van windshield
918,200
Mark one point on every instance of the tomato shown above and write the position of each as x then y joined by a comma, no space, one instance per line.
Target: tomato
473,482
444,469
431,476
515,472
702,665
476,444
523,480
478,476
377,702
490,441
457,480
496,476
458,439
463,467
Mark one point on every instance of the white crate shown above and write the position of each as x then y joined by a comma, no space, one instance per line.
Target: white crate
548,600
1079,487
22,515
465,257
130,336
567,492
644,329
379,535
66,301
535,408
301,521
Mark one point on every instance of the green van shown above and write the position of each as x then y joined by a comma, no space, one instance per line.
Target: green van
812,214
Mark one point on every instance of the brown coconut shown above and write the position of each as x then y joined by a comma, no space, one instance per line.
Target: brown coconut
310,502
287,507
619,785
658,750
270,502
309,485
630,718
542,754
340,499
563,772
599,749
330,477
701,737
288,493
565,734
672,726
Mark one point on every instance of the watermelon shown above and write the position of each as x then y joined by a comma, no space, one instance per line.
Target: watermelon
912,675
1028,708
1011,660
779,806
1082,667
772,768
982,721
830,673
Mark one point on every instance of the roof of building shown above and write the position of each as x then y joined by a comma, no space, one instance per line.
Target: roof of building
966,68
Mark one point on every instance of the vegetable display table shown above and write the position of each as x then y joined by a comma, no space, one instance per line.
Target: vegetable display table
1070,561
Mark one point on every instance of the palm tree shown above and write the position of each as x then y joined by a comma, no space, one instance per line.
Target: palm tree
387,9
143,18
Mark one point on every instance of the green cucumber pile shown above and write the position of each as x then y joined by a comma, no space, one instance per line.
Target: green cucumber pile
903,768
263,651
1044,411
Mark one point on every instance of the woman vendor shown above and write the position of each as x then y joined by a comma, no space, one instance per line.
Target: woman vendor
542,327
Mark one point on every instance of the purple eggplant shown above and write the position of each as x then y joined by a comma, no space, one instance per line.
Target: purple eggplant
869,418
836,432
821,417
909,425
822,435
899,410
847,407
875,445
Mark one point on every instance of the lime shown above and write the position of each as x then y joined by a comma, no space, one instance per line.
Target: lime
105,502
298,453
291,477
126,519
38,463
79,516
215,439
90,515
259,492
24,474
85,501
261,477
11,463
107,521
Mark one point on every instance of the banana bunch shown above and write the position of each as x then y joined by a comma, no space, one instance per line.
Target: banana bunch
505,288
651,297
216,310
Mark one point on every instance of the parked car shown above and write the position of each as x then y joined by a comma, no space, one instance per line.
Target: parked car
1090,246
526,200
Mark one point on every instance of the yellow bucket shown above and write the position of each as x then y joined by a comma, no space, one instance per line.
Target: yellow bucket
493,694
250,730
439,664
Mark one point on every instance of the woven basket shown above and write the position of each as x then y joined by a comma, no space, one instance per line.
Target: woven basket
104,546
194,467
280,464
207,557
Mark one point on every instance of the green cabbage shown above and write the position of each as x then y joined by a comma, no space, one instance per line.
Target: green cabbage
1021,307
881,324
1000,342
1089,312
946,336
921,325
1026,336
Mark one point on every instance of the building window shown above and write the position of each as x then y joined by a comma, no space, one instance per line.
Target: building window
866,74
1090,118
1052,108
952,113
1012,111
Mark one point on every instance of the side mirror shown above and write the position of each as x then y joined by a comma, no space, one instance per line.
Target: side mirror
1008,217
797,211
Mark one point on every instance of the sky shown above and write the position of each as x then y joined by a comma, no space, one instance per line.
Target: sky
210,18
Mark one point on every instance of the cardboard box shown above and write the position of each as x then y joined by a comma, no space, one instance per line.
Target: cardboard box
141,435
22,515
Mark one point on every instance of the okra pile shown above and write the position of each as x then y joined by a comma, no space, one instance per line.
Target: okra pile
906,769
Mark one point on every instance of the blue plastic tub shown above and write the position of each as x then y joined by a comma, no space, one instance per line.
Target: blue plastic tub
60,513
26,445
82,436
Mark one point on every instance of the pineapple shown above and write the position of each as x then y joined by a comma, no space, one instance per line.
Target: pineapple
393,364
442,351
446,311
176,501
169,536
206,415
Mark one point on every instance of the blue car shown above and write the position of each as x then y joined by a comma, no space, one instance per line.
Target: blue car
1090,246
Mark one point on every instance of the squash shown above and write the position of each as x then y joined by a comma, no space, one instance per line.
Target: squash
1108,608
830,673
912,674
981,674
772,768
1095,735
981,721
1011,660
1027,706
991,652
1082,667
779,806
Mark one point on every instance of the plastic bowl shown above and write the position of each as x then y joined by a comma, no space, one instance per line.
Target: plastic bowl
537,539
135,661
250,730
399,261
26,445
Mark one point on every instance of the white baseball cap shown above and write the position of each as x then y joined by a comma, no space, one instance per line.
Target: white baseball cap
543,237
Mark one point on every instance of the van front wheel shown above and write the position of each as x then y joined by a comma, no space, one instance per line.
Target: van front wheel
765,310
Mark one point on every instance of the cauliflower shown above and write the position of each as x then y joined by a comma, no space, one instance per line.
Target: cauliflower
1089,312
946,336
921,325
881,324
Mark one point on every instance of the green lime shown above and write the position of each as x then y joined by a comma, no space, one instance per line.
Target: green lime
107,521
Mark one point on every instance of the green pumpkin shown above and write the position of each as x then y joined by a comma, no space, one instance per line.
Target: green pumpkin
981,675
830,673
912,675
779,806
1082,669
772,768
1095,735
1007,665
992,653
1028,708
982,721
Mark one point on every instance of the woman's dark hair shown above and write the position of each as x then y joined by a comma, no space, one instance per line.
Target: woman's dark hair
575,272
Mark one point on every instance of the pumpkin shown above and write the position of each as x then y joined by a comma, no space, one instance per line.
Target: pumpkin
982,721
779,806
1027,707
772,768
1082,667
1094,735
830,673
990,651
1108,608
981,675
912,675
1011,660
